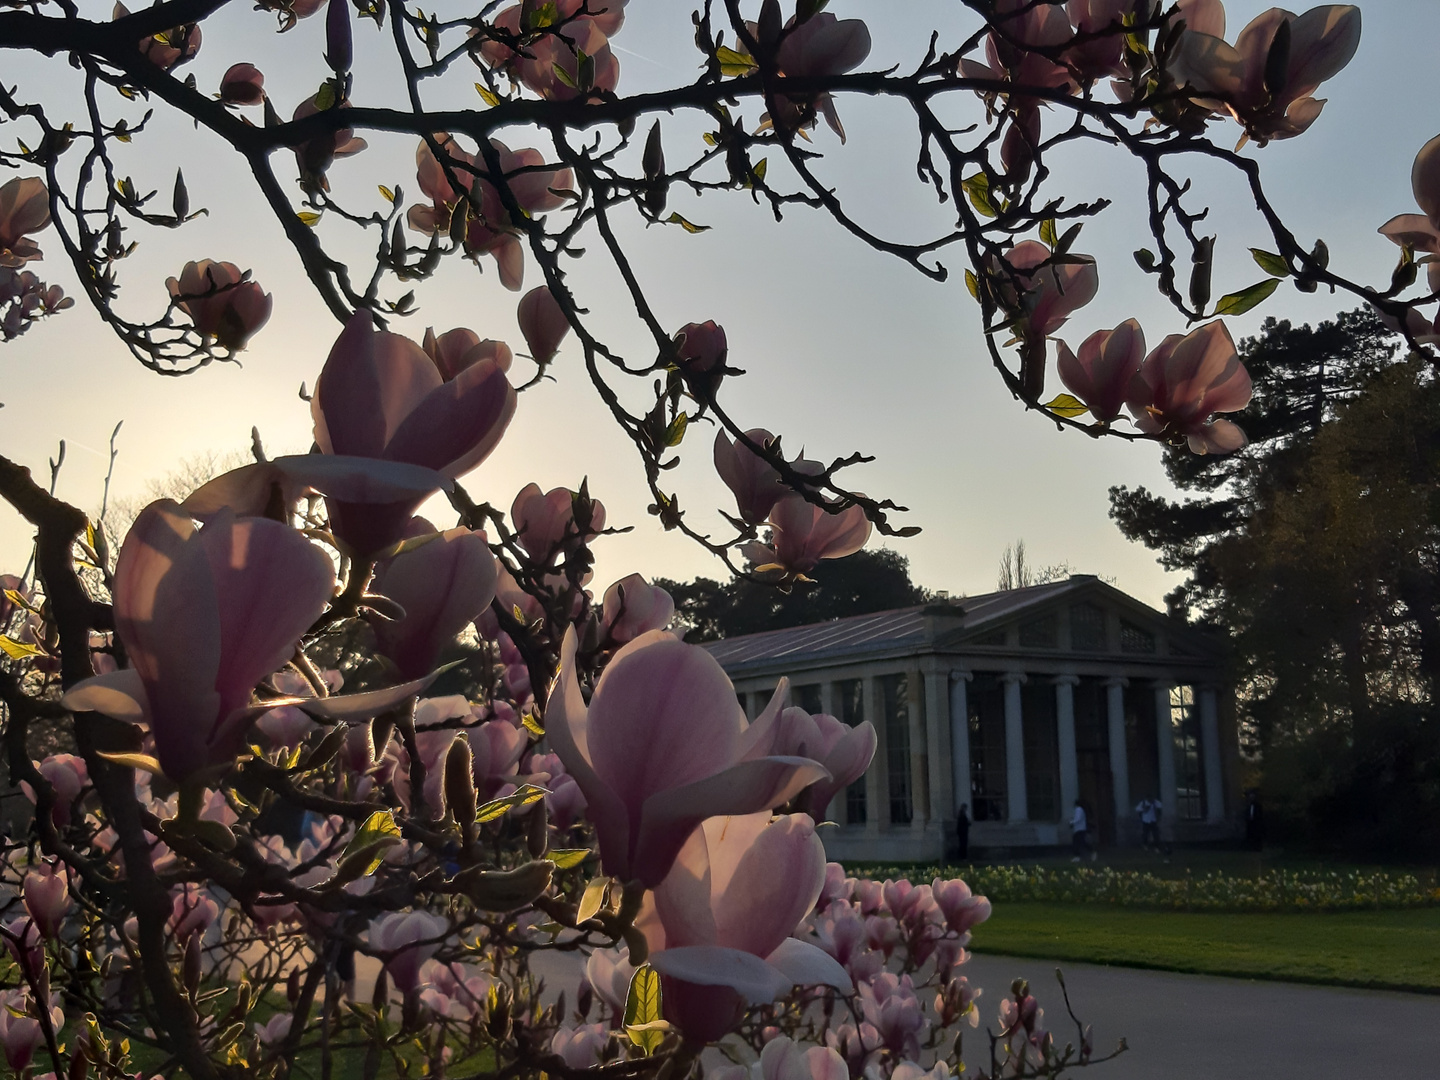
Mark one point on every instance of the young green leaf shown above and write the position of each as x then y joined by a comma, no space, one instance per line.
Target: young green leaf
487,95
688,226
568,858
1048,236
643,1024
978,188
1245,299
1271,263
734,63
1067,405
592,899
19,650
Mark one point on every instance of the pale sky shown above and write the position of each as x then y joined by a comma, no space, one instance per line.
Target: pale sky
846,349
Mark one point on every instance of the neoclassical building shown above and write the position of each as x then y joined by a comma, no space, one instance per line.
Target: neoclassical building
1015,703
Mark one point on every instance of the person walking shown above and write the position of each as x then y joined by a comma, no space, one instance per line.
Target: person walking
1149,811
962,833
1080,833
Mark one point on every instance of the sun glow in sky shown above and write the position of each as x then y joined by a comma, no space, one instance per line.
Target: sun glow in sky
846,349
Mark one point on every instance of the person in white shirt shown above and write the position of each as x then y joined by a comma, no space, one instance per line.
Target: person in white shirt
1080,833
1149,811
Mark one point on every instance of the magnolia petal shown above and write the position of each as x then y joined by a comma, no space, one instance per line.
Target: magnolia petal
117,694
668,817
567,728
352,707
806,965
714,965
759,738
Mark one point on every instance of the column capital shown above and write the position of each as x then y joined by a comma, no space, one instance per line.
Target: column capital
961,675
1066,680
1117,680
1017,677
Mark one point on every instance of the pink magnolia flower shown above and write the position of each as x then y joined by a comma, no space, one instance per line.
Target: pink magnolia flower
489,228
380,396
961,908
1184,382
1421,232
166,50
286,727
315,155
205,615
404,940
242,84
889,1004
1100,376
535,66
701,347
275,1030
633,607
191,912
221,301
784,1059
455,991
753,481
496,746
1010,55
26,945
609,971
1103,55
1048,295
720,935
442,585
68,775
821,45
1233,78
802,534
581,1046
542,322
843,933
545,523
24,208
46,893
844,751
21,1034
455,350
661,747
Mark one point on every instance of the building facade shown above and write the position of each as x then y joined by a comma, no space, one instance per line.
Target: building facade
1015,704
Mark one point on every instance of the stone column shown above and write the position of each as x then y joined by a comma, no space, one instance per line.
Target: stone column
1019,808
937,743
915,721
1119,753
877,780
1065,729
960,741
1165,741
1210,749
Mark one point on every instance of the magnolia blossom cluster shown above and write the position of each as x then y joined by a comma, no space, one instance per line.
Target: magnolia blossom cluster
24,298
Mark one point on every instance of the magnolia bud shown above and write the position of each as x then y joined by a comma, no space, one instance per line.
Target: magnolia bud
584,999
339,48
537,830
507,890
770,24
460,785
192,964
292,986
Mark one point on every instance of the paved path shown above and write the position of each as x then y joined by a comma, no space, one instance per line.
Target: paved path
1198,1027
1194,1027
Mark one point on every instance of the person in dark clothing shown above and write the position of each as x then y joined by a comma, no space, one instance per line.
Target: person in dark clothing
962,833
1254,821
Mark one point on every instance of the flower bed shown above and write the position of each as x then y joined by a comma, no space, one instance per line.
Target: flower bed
1273,890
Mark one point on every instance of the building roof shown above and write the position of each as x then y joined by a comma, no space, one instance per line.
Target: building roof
943,626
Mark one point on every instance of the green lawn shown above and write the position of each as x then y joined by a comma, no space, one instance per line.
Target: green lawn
1397,950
